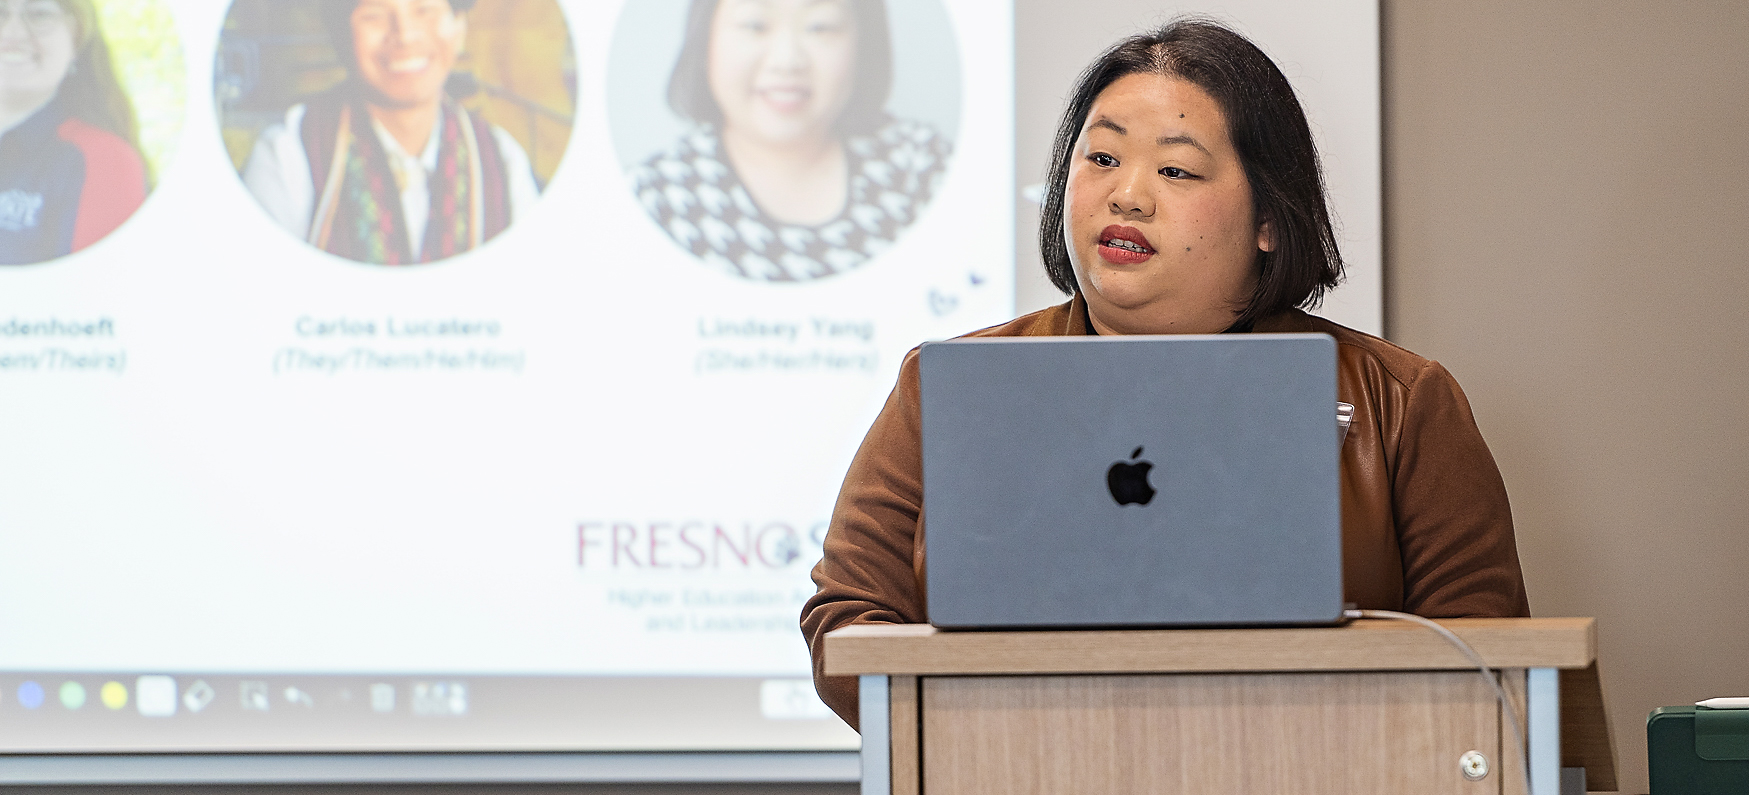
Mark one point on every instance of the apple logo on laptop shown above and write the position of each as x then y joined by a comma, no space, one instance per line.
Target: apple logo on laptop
1129,481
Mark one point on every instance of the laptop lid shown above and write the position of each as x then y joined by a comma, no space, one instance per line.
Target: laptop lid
1135,481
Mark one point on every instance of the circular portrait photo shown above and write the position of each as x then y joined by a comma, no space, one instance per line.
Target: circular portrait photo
784,140
395,132
91,101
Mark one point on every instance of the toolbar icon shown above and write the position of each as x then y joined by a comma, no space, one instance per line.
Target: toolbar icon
72,695
382,697
440,698
113,694
299,697
791,699
155,696
30,695
255,696
198,696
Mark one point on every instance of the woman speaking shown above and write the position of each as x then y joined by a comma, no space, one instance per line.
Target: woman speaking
70,166
1185,197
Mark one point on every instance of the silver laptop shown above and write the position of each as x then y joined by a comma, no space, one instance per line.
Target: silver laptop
1136,481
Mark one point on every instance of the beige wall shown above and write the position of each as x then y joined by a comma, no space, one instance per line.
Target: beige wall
1567,221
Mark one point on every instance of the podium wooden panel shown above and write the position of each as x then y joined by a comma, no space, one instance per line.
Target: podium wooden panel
1371,707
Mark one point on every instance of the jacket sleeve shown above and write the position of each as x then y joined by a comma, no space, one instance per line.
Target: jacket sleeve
1454,525
868,574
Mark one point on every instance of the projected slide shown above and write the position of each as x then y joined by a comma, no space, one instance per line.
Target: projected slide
462,374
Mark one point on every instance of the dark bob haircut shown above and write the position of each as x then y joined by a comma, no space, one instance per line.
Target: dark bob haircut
689,87
1269,130
337,18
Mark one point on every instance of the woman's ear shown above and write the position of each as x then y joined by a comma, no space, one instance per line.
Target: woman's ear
1265,237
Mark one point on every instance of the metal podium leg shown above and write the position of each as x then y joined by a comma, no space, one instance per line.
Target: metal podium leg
1543,719
877,742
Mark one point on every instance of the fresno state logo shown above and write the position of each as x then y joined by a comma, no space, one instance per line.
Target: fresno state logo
1128,480
696,545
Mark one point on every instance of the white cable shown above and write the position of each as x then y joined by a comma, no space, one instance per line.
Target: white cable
1481,665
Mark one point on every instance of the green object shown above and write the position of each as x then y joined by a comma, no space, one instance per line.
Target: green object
72,695
1721,735
1698,751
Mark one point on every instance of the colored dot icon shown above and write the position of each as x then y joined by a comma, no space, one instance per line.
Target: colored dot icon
30,695
72,695
114,695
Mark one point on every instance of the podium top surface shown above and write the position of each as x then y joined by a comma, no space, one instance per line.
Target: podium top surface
1364,645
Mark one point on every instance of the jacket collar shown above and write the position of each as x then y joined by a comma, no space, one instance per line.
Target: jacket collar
1289,322
1071,320
1075,322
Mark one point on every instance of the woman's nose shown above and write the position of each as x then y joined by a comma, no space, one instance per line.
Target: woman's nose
1130,196
12,23
785,51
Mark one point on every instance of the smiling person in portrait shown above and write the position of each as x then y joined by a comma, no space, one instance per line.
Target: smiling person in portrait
794,170
70,165
386,168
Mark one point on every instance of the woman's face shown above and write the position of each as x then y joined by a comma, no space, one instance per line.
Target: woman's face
1158,213
781,70
406,48
37,45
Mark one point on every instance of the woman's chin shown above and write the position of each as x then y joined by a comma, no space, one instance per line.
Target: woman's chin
781,130
1127,301
25,93
1122,284
16,77
1122,306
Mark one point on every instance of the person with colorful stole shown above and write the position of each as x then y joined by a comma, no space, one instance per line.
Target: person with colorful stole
385,167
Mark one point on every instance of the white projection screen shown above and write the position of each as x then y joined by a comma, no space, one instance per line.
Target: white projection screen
334,424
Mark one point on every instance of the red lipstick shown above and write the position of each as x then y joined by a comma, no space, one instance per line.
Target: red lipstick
1124,245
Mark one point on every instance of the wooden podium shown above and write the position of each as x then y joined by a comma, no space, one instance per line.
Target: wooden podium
1372,707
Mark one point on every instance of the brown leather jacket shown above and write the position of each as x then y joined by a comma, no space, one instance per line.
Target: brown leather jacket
1425,523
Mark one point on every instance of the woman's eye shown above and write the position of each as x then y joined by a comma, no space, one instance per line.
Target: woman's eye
1174,172
1102,159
